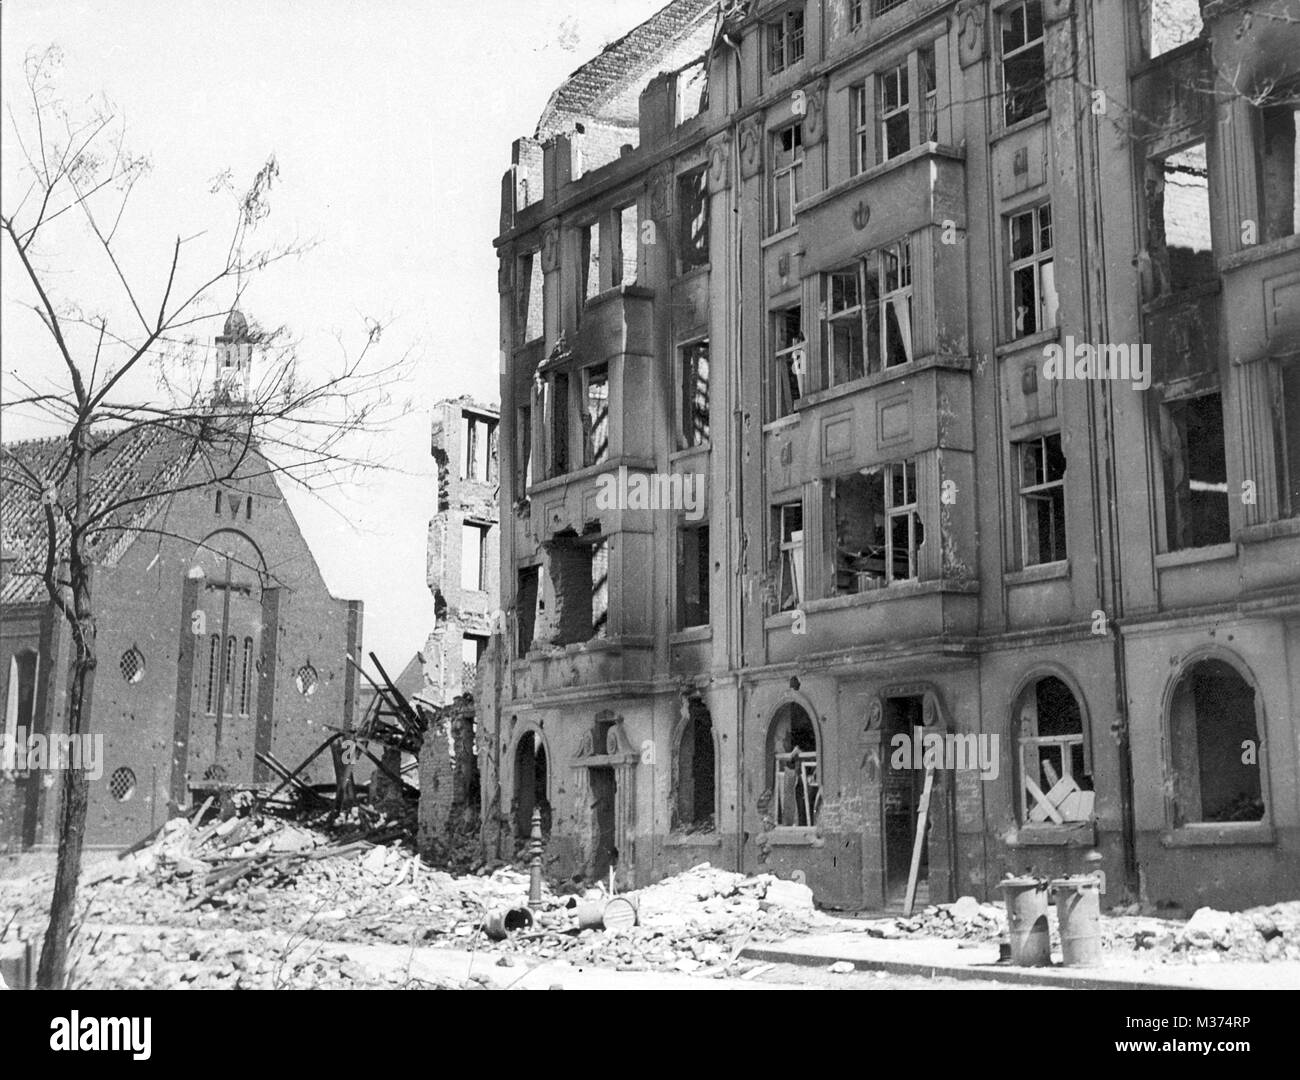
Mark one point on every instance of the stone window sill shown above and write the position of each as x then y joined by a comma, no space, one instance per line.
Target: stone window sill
1041,572
690,634
794,836
1190,556
693,840
1082,834
1207,834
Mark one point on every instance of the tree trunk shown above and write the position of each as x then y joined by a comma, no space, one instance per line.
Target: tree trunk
52,972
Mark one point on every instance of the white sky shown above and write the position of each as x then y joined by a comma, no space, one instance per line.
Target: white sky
391,121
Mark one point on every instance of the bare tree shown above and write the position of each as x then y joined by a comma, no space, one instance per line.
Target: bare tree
145,369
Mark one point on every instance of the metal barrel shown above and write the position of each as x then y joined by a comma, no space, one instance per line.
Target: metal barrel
620,913
1078,906
1027,929
499,923
590,914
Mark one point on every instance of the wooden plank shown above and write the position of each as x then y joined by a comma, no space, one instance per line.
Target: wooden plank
922,818
1044,807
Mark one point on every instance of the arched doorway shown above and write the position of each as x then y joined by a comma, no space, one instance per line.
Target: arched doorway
531,784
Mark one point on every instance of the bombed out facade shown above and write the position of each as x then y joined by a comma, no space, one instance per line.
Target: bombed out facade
818,256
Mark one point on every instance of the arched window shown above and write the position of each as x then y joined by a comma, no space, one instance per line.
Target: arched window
694,773
214,651
794,767
1053,765
246,683
1216,746
230,675
20,697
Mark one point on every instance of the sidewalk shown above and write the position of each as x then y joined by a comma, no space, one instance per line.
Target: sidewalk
966,960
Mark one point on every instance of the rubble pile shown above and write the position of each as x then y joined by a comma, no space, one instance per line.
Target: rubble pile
965,918
1260,934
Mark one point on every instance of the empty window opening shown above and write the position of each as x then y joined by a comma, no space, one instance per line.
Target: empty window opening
1041,465
1053,762
1279,155
1216,747
531,785
595,416
474,561
1178,221
785,40
787,176
876,529
692,91
478,447
523,448
526,600
692,576
20,694
558,406
695,773
530,297
793,775
1024,82
218,504
1167,24
789,360
1034,303
579,576
591,284
693,220
1286,432
629,233
1195,472
927,72
472,648
694,394
787,534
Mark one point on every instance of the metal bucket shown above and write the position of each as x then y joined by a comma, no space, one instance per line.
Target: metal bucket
1078,905
501,922
1027,929
620,913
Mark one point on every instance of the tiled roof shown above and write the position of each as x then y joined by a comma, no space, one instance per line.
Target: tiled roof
606,88
141,461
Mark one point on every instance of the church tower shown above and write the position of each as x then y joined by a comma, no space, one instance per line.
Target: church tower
234,359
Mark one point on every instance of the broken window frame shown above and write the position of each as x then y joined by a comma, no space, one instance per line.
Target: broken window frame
789,360
525,611
786,187
1070,752
556,390
899,511
853,13
894,113
1179,35
693,575
626,233
860,121
693,209
1037,488
788,534
1286,435
785,40
882,7
478,446
1023,65
1036,266
1185,524
1195,267
595,414
530,298
843,324
887,304
523,448
1279,215
589,261
479,576
693,394
927,73
803,791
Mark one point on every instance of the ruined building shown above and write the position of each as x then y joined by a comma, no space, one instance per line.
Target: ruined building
808,470
217,640
462,573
